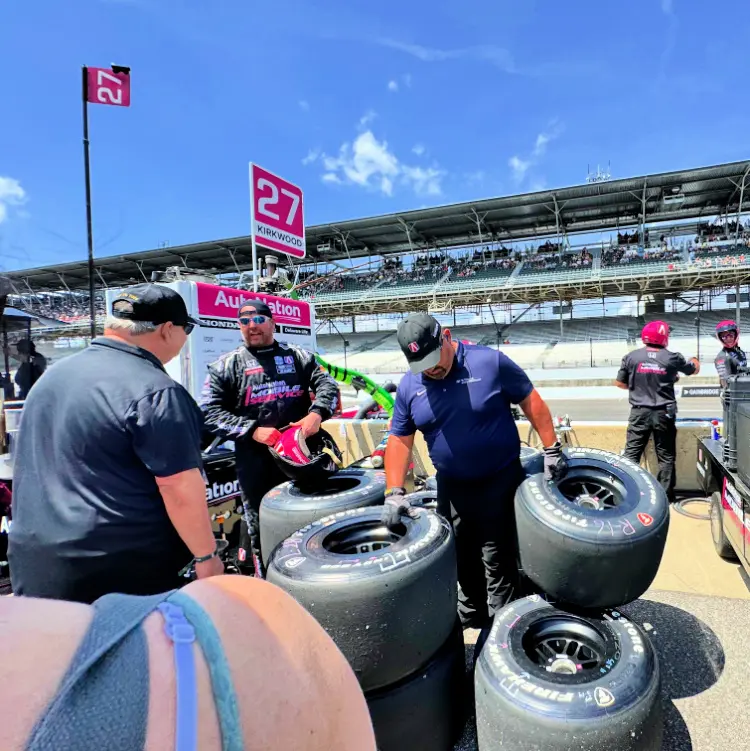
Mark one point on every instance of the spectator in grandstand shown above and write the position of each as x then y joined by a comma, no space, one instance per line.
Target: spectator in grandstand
459,396
250,394
108,489
33,364
649,374
731,356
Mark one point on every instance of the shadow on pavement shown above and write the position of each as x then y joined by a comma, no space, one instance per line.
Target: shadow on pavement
691,660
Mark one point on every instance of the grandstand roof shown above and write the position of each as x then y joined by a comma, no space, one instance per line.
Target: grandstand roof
669,196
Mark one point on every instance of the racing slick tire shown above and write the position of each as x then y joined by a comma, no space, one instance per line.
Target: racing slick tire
532,460
287,508
721,543
554,680
426,710
387,598
595,538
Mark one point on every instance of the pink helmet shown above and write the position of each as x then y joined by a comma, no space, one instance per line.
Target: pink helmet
724,326
656,333
306,460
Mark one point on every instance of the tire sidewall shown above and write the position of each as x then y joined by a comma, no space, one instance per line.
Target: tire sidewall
621,685
289,497
642,513
303,555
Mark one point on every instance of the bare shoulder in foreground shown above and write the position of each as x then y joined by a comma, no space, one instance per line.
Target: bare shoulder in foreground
294,688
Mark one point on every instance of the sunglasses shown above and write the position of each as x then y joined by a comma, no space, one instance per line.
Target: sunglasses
258,320
188,328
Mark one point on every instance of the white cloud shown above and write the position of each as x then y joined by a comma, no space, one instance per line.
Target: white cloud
666,7
367,118
519,167
304,105
392,85
407,80
497,56
424,180
370,163
418,149
11,194
312,156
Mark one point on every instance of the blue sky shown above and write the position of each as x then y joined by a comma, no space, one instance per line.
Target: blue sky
370,107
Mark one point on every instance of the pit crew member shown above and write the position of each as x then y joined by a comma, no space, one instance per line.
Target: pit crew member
649,374
731,357
248,396
459,396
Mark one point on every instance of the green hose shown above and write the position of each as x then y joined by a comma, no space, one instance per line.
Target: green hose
361,383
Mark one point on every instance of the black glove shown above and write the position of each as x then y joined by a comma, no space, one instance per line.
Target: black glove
555,463
396,504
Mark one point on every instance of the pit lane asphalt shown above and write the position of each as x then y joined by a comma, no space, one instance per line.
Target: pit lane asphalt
702,645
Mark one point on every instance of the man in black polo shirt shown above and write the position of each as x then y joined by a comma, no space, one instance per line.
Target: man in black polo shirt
108,492
649,374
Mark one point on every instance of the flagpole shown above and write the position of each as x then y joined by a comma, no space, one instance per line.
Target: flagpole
87,171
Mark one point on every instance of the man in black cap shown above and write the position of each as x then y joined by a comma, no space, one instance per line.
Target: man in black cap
460,396
108,491
249,395
33,364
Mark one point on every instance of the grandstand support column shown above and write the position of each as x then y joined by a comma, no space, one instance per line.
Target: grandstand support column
233,256
643,213
737,304
561,318
739,210
139,264
479,222
102,279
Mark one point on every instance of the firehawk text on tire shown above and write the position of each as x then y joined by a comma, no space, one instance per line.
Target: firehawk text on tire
387,598
550,680
424,711
286,508
595,539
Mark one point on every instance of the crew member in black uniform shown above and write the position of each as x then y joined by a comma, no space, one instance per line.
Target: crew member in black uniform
731,357
248,396
649,373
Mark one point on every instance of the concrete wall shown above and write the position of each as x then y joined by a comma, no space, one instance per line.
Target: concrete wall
357,438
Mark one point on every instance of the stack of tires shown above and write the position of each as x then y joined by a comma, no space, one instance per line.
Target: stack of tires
388,600
564,670
287,507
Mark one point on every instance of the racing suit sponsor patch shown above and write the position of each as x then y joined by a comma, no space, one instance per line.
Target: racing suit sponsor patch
284,364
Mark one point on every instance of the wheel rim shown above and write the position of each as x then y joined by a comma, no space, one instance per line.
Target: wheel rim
594,490
566,646
363,538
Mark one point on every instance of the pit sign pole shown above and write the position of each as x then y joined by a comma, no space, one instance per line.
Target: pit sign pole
100,86
277,220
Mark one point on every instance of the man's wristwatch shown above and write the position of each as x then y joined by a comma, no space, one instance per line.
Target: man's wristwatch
204,558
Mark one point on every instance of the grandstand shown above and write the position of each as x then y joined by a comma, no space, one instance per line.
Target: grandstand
584,343
656,238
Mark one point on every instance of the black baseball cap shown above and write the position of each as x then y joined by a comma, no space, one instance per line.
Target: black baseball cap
261,308
152,303
420,338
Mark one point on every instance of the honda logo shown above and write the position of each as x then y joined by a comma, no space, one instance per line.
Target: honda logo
413,347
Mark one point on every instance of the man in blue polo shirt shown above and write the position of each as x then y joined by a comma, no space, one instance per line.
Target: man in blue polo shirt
459,396
108,491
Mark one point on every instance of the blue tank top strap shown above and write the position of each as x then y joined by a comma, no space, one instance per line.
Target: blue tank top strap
102,701
225,698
